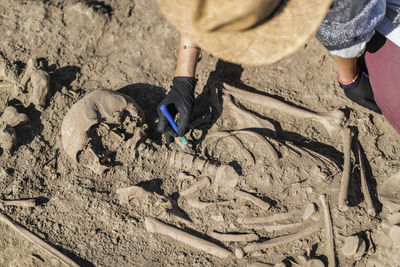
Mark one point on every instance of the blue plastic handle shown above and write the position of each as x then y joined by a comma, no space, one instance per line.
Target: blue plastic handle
171,121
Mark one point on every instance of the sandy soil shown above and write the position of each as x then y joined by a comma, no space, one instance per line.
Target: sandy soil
127,46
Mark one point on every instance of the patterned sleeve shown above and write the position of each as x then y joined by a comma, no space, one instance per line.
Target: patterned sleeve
349,25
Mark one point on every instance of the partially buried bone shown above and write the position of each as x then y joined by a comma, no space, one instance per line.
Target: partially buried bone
330,245
249,197
234,140
255,246
225,237
244,118
263,140
389,193
364,186
99,106
40,83
37,241
155,226
226,178
330,120
8,121
344,184
13,118
197,186
25,203
354,247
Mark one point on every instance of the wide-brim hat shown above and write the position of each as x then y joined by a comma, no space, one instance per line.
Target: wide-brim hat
249,32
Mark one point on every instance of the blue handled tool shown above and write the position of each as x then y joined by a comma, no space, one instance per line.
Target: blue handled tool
164,110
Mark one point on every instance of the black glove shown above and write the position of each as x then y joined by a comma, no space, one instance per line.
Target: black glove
179,100
361,93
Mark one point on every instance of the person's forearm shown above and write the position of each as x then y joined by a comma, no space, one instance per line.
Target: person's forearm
188,53
347,68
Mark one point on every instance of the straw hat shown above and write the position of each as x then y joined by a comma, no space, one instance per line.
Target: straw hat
250,32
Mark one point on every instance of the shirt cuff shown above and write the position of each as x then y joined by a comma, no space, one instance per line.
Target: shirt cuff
350,52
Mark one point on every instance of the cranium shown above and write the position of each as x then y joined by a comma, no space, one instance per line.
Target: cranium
100,109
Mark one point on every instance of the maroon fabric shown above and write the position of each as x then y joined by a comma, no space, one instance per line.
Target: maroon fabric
384,74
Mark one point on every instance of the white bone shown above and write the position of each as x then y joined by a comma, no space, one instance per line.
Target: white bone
330,120
37,241
344,184
364,186
330,245
155,226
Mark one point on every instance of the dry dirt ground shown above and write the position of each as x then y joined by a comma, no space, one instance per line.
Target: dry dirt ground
128,46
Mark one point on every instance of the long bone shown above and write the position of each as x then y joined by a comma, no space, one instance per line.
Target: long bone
364,186
155,226
330,245
255,246
37,241
330,120
344,185
224,237
244,118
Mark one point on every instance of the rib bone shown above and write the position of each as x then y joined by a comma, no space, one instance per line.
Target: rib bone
255,246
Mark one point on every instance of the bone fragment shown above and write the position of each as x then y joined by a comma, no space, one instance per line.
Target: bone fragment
37,241
197,204
40,81
393,219
255,246
267,219
264,141
330,246
223,237
236,141
126,194
225,176
155,226
350,246
244,118
330,120
8,137
273,227
361,250
197,186
13,118
364,186
344,185
311,211
255,200
25,203
260,264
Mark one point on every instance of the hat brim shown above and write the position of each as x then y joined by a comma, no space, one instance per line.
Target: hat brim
267,43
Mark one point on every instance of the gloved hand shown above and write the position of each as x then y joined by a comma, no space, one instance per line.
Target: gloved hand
360,91
179,100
